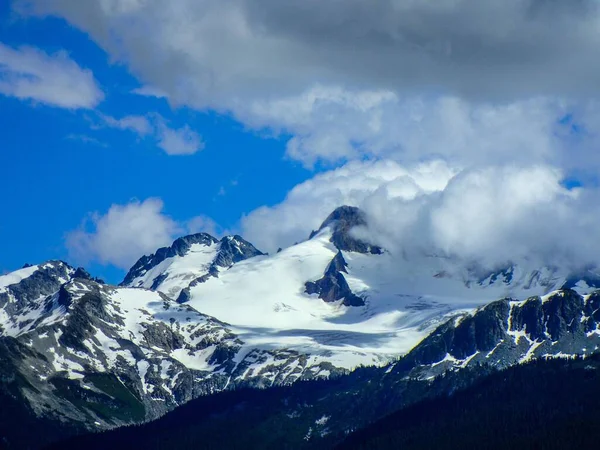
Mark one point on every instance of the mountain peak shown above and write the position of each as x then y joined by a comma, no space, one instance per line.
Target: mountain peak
189,260
234,249
179,247
23,289
341,221
345,216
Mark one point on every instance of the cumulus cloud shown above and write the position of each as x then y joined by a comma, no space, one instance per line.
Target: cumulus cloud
333,124
55,79
180,141
489,215
123,234
307,204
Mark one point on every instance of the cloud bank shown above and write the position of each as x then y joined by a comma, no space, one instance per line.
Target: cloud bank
489,215
463,80
213,50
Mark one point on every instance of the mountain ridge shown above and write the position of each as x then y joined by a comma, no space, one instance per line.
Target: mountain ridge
206,315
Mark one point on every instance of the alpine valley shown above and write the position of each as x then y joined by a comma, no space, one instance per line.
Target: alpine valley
298,349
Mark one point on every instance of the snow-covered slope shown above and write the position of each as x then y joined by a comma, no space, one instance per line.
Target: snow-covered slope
265,300
333,296
191,259
16,277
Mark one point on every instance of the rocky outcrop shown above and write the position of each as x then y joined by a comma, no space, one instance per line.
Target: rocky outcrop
342,221
45,280
333,286
234,249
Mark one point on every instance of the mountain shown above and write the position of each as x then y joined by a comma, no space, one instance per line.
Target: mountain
206,315
321,414
350,302
189,260
98,356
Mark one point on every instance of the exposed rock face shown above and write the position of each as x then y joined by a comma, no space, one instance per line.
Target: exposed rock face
179,248
507,332
17,299
342,220
333,286
234,249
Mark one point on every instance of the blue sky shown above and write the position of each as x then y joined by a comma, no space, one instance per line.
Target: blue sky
56,167
470,130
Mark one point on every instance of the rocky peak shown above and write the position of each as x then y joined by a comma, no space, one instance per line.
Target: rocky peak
45,279
80,272
234,249
341,221
179,248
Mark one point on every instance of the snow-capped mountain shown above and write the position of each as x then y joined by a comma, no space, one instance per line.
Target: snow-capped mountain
190,260
204,315
348,301
466,350
104,355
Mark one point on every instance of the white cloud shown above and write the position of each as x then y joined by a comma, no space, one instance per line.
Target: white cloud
174,141
123,234
126,232
137,124
180,141
149,91
204,224
307,205
28,73
490,215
